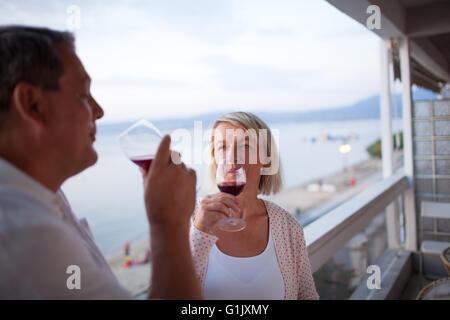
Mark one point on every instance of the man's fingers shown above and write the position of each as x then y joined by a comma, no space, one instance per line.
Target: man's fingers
162,156
182,166
192,172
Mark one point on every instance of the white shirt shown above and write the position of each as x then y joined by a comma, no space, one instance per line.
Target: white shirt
40,238
249,278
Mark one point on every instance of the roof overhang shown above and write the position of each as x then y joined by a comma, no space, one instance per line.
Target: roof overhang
426,23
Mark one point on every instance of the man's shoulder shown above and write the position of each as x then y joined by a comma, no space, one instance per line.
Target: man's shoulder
20,210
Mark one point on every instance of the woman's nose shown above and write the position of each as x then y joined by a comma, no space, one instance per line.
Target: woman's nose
232,155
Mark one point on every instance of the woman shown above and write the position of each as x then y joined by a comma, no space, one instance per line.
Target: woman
267,259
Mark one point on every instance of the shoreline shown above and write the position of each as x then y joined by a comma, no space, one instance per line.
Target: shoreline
302,198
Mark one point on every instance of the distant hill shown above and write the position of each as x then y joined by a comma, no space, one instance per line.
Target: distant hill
367,108
364,109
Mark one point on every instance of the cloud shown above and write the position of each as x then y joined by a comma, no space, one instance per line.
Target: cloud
237,76
187,57
277,32
127,81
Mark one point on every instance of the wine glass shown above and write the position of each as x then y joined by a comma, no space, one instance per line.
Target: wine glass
230,179
140,143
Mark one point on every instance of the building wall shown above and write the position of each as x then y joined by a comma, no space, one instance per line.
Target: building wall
431,132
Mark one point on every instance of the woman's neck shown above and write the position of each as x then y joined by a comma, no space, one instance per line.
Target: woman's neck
250,204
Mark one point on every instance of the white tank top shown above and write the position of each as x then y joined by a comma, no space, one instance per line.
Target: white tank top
249,278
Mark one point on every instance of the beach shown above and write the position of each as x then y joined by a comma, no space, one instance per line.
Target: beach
135,279
301,201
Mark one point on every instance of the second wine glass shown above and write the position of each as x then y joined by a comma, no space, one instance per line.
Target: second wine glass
231,179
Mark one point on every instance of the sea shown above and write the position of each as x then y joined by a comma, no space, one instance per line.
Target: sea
110,193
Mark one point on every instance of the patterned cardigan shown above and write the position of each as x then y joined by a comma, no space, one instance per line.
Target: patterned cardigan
290,249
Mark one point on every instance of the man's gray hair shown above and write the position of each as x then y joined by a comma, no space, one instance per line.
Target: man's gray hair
29,54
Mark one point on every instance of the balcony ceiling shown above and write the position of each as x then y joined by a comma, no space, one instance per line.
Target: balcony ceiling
417,3
425,22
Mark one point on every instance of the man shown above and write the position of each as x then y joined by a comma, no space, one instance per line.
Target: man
47,130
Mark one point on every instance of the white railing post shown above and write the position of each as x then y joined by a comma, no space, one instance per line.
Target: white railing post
392,221
410,205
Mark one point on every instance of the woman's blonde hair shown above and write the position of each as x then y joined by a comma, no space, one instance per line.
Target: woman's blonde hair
268,183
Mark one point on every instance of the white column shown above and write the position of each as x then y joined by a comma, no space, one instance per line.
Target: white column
407,107
410,205
386,111
392,222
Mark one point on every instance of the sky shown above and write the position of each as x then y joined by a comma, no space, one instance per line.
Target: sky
173,58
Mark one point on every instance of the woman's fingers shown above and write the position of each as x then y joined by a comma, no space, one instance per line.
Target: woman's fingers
208,218
230,203
216,206
226,201
223,195
229,200
217,215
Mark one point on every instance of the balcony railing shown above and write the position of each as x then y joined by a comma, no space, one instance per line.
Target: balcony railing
328,234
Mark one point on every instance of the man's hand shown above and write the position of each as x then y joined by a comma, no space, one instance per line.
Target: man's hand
169,189
169,194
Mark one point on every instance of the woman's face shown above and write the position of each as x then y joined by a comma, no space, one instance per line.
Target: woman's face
239,147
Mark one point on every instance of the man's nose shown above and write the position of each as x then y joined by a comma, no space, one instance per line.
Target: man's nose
97,111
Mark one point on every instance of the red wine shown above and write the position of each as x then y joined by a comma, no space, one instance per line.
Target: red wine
143,161
233,189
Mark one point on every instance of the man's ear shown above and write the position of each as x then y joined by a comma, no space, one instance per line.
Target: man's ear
27,101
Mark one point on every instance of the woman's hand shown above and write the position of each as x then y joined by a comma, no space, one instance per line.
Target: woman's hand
213,208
